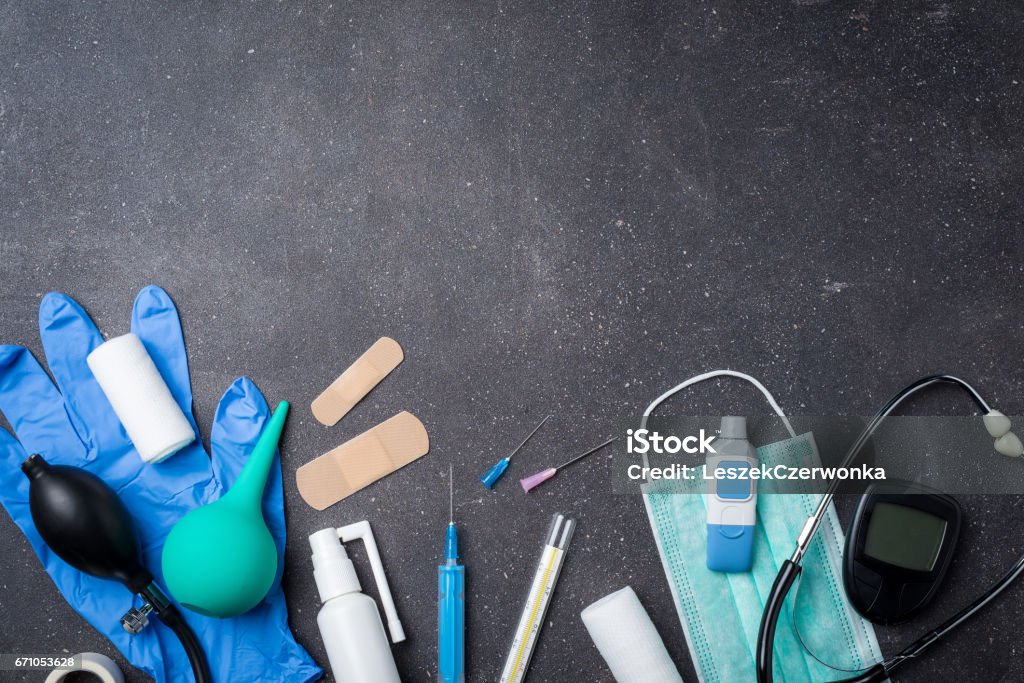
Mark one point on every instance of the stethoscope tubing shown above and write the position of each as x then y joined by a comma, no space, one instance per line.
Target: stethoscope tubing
791,568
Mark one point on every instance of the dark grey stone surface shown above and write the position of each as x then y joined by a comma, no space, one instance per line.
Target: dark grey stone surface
560,210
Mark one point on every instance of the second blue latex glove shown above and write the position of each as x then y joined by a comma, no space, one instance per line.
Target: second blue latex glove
75,425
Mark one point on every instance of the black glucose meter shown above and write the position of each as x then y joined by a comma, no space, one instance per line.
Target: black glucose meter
898,549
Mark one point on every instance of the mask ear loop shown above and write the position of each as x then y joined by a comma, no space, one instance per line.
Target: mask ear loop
711,375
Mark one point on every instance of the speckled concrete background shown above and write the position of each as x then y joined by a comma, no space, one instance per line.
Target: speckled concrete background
554,210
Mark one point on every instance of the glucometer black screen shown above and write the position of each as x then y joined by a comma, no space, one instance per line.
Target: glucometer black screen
905,537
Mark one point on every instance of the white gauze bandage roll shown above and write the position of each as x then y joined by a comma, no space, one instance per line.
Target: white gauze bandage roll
140,398
625,636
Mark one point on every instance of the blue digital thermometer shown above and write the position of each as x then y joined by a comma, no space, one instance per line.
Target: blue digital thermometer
731,497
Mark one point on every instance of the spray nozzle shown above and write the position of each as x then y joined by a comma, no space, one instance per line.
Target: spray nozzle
335,575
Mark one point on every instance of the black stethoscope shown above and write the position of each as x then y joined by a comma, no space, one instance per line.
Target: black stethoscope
791,568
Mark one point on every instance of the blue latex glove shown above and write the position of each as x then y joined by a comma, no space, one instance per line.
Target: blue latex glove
77,426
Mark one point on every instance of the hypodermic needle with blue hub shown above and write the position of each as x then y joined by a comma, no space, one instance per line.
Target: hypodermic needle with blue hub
451,603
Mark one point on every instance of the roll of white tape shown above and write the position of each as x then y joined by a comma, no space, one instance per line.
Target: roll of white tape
95,663
140,398
625,636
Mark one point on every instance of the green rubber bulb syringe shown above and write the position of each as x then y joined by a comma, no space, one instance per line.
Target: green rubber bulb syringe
220,559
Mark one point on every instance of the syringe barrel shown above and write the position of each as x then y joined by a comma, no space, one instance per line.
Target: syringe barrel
451,623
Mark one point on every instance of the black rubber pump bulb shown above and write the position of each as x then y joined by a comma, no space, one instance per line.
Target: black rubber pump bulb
84,521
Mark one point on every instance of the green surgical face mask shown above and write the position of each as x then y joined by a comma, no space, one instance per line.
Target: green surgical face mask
721,613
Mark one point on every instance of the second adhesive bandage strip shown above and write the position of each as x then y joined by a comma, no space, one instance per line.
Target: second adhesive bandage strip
363,460
356,382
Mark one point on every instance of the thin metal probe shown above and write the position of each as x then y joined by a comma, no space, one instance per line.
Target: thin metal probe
583,455
528,437
492,475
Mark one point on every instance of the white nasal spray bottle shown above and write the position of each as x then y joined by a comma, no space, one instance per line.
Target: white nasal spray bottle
731,499
349,622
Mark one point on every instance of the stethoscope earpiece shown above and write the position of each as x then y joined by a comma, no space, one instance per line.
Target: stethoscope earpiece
1010,444
998,426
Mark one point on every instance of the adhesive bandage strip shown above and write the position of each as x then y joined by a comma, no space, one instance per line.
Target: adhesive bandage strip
357,381
140,398
363,460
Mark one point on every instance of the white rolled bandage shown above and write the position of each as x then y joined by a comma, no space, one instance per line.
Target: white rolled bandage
626,638
101,666
140,398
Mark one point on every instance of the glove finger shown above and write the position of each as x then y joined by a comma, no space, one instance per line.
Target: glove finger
155,321
13,484
273,512
240,417
35,409
69,335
